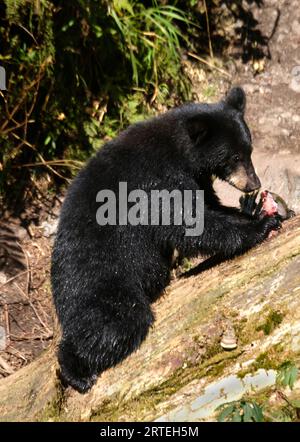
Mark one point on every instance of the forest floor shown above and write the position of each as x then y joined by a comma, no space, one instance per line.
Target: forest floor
273,114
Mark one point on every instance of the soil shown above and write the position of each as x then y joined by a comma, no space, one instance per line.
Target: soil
26,312
273,113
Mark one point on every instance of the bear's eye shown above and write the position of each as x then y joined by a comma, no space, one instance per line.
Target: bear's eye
236,158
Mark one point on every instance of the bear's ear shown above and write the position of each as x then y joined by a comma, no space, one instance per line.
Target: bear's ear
236,98
197,128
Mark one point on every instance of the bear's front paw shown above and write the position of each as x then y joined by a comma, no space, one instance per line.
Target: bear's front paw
269,224
248,204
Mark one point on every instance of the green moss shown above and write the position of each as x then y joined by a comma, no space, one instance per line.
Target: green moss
213,350
217,365
272,359
248,330
144,406
52,411
266,361
262,361
210,91
273,320
137,407
186,265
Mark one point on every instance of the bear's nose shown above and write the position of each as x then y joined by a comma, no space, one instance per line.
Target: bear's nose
253,183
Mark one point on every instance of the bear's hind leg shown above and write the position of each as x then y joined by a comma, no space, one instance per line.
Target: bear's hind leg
75,370
100,339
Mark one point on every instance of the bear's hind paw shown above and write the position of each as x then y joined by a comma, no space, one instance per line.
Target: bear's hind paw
82,385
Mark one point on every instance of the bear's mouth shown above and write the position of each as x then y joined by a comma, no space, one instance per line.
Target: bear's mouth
232,181
244,181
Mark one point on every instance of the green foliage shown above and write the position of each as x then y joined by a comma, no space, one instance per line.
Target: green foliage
287,374
150,37
80,71
241,411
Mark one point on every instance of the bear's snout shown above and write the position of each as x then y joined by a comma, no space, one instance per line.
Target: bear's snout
245,179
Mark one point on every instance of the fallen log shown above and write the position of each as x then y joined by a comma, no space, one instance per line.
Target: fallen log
182,354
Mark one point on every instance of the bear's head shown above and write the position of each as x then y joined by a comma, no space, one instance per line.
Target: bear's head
221,141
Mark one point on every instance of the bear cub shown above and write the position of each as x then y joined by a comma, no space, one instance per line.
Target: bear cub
105,277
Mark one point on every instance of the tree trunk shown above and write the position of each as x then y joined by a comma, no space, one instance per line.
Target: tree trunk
182,356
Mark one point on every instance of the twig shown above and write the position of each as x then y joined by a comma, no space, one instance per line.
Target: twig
35,94
20,301
40,156
11,129
6,367
13,351
61,163
11,114
2,371
5,103
208,31
284,397
14,319
80,163
28,32
13,278
212,66
155,93
27,267
7,327
58,199
45,314
34,309
32,337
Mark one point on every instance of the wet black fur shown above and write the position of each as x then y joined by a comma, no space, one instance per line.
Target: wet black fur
104,279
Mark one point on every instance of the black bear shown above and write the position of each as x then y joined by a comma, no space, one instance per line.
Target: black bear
105,277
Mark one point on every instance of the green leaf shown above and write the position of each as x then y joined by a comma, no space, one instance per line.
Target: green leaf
257,413
287,374
296,403
124,5
237,417
248,412
118,21
98,31
226,413
293,377
47,140
68,25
